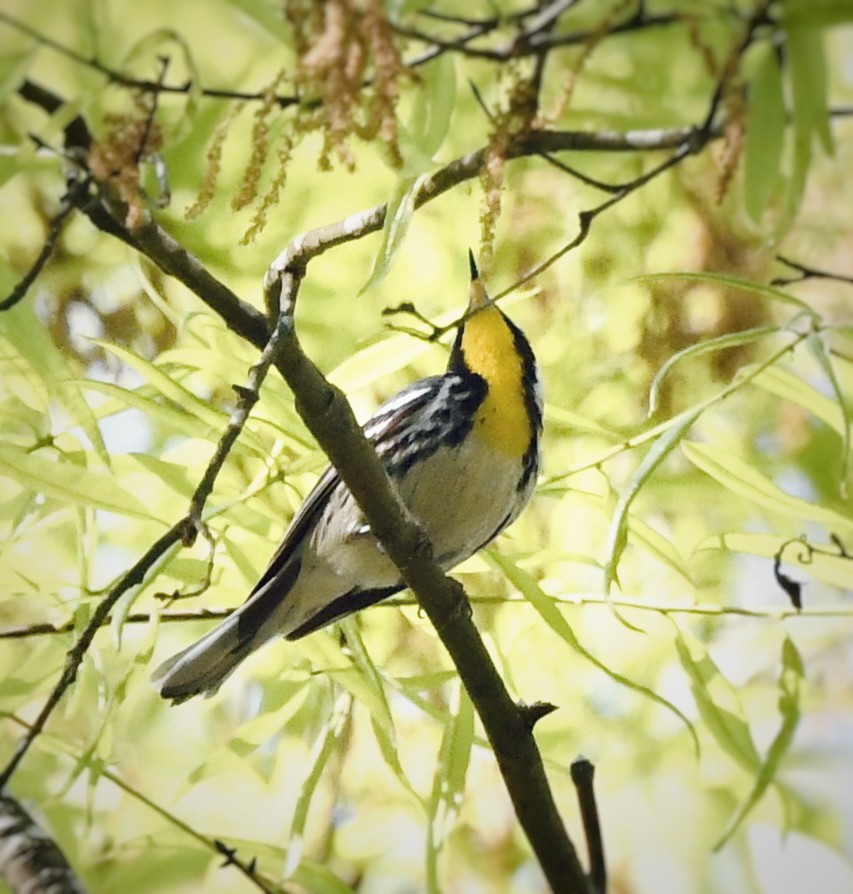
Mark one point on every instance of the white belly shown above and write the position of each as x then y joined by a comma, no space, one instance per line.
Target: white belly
462,495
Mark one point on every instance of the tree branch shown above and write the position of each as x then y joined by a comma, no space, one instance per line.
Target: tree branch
574,600
329,417
68,204
805,272
583,773
183,531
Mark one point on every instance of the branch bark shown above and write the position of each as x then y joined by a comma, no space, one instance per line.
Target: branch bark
329,417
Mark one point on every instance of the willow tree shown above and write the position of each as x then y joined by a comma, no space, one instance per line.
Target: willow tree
658,192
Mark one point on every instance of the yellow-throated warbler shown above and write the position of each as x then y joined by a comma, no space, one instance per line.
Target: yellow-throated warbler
463,451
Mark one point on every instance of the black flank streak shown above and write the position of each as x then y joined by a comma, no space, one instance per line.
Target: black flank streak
352,601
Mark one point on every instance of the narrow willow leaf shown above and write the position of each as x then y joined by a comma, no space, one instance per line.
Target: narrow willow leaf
317,877
375,362
743,479
449,781
720,343
29,337
268,724
69,482
771,293
374,699
324,748
167,386
377,703
13,65
434,104
796,188
171,417
818,349
553,617
618,537
401,207
766,121
659,546
828,565
641,534
786,384
717,701
571,421
820,13
789,707
177,477
807,60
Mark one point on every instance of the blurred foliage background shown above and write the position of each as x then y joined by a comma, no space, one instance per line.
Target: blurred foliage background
719,717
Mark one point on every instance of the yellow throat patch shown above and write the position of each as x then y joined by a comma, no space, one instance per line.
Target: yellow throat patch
488,347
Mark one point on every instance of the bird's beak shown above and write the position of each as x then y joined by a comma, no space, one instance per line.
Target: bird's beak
479,298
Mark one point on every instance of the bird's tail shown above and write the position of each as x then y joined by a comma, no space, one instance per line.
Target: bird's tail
201,668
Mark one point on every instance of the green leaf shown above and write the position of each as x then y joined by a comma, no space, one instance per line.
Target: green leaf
785,384
28,336
13,67
434,104
818,349
618,537
828,565
375,362
659,546
789,707
401,207
267,14
269,723
324,748
807,59
167,386
318,878
796,182
69,482
448,784
185,400
799,13
743,479
374,698
173,419
717,701
766,121
720,343
544,606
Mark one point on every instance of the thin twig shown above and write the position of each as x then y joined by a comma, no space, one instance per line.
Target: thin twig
329,417
569,600
74,658
69,203
583,773
807,273
586,217
248,869
184,532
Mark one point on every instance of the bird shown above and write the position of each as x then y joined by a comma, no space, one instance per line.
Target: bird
462,448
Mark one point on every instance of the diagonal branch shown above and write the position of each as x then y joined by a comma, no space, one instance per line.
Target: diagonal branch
182,532
68,204
329,417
